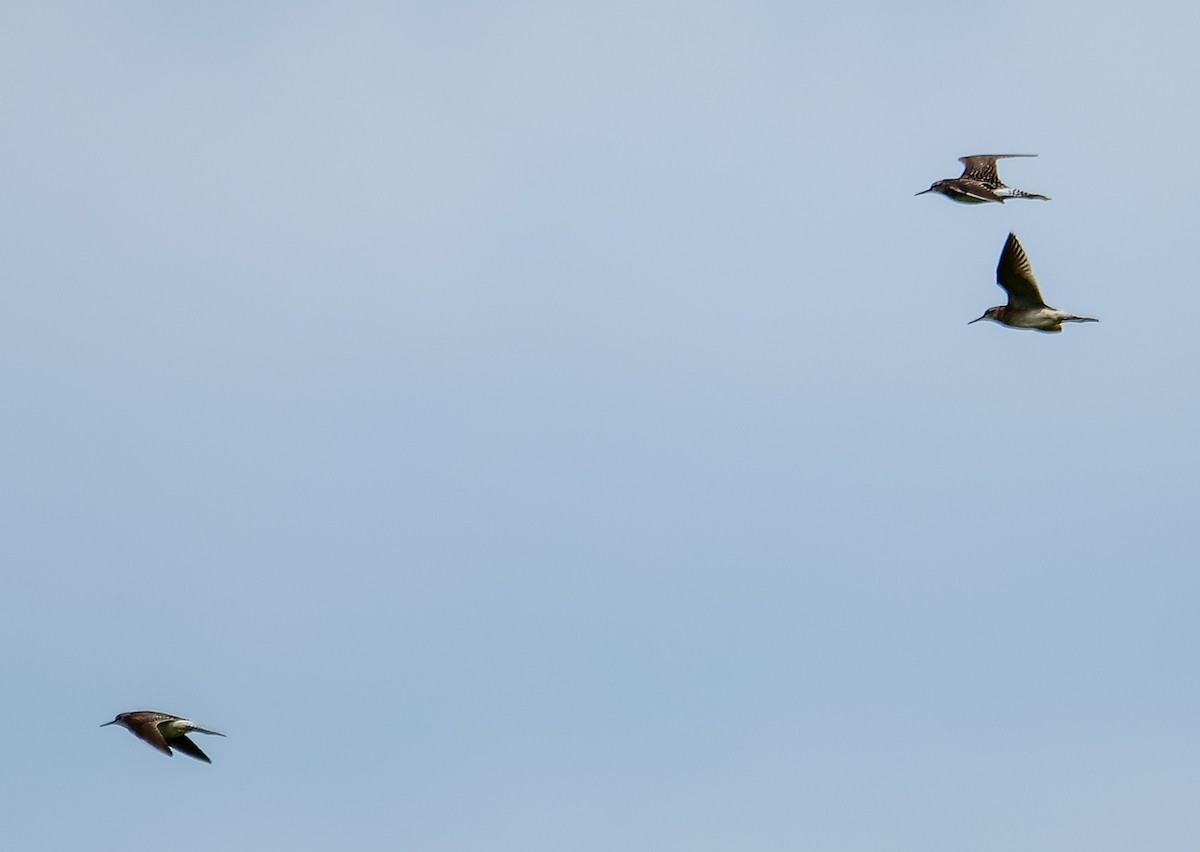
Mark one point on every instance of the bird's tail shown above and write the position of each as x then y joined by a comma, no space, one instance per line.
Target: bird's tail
1020,193
205,731
1080,319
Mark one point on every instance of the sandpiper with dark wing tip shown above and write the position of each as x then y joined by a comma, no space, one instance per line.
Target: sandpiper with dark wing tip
164,731
980,182
1025,308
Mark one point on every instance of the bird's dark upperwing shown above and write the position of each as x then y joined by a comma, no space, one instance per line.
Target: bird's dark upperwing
977,189
147,730
1015,275
982,167
189,748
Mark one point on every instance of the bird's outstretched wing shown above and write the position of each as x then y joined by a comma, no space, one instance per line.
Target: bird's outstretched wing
982,167
144,726
1015,275
189,748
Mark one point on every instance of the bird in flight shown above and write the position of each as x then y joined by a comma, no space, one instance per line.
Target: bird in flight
1026,308
164,731
980,182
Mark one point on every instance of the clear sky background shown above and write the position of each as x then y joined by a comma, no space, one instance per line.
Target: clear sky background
555,426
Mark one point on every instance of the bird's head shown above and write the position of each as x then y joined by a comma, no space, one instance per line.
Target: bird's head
990,313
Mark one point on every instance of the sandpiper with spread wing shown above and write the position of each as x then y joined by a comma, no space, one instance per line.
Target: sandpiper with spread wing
980,182
1026,308
164,731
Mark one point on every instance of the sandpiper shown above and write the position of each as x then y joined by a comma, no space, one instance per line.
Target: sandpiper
1025,308
163,731
980,182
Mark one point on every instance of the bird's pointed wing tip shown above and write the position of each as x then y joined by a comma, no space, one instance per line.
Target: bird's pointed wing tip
189,748
963,159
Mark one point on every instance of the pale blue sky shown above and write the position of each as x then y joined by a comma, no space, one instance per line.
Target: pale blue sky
555,426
